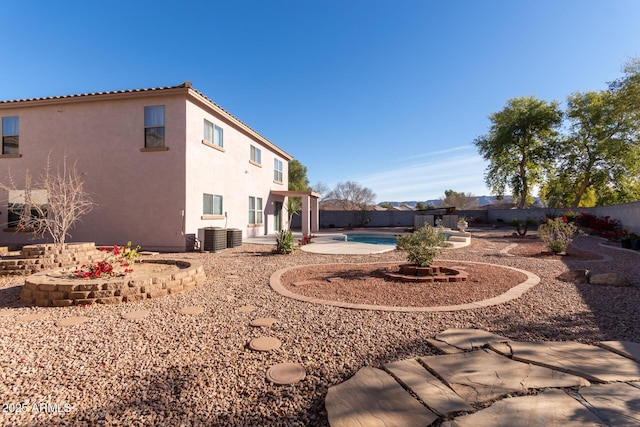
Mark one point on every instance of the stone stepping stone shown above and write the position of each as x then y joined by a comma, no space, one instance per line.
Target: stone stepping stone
263,321
264,343
617,404
469,339
71,321
589,361
5,313
286,373
624,348
443,347
32,317
483,375
438,397
192,310
246,309
136,315
373,398
552,408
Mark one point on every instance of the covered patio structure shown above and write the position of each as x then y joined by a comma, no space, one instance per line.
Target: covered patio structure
310,210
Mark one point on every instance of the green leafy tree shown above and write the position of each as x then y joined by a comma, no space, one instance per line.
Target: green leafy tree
520,145
298,180
601,151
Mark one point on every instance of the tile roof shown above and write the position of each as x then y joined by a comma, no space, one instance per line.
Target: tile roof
186,85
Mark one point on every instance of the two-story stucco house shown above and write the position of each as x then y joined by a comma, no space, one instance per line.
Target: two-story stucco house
159,163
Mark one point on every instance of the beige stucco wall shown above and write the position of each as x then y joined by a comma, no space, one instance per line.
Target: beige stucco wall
151,198
228,173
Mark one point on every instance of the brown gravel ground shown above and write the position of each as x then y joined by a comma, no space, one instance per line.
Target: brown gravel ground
173,369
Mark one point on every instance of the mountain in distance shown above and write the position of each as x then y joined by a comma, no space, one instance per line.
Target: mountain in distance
482,201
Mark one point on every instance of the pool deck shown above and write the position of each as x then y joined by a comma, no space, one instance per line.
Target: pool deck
324,243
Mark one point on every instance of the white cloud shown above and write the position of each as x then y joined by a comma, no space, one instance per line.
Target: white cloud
429,179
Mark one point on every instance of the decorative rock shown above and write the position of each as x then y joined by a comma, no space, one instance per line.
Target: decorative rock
5,313
264,343
550,408
482,375
373,398
469,339
246,309
577,276
31,317
71,321
193,310
263,321
443,347
286,373
136,315
440,398
608,279
588,361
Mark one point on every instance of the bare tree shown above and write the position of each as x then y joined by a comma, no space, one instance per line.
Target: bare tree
459,200
52,204
351,196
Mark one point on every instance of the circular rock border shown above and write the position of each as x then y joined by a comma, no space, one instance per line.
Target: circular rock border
514,292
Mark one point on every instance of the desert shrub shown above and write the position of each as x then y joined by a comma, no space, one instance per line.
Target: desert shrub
522,228
606,226
422,246
284,242
557,234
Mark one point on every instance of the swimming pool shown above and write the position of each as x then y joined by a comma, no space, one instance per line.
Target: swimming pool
371,238
374,238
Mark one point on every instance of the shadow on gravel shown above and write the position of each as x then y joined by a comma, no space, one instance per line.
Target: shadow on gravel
10,297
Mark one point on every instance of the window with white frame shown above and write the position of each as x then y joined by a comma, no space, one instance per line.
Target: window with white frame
10,135
277,170
212,204
154,132
256,155
213,133
255,210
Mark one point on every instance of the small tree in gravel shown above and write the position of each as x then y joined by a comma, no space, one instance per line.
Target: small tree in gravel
66,201
557,234
422,246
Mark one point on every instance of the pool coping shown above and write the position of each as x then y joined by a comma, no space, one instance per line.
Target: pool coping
513,293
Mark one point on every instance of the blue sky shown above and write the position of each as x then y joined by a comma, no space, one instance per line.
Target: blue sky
390,94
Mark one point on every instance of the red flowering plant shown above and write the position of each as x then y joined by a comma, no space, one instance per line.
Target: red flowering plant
118,261
306,239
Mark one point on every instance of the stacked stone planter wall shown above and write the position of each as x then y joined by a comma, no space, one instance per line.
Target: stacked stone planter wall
36,258
50,290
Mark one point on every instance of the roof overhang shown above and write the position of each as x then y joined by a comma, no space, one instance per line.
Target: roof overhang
292,193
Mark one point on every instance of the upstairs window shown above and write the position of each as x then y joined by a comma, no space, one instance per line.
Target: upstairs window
277,170
255,210
213,133
10,135
256,155
154,135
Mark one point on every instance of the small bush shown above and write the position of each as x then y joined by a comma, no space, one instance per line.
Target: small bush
284,242
522,231
606,226
557,234
422,246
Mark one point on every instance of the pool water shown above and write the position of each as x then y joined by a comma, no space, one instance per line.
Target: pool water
371,238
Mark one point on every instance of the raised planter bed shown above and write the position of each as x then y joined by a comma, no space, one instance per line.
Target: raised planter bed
56,289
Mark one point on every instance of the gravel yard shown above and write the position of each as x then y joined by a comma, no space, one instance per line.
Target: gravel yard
175,369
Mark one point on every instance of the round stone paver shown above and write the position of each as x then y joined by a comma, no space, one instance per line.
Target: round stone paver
264,343
136,315
74,320
193,310
5,313
286,373
246,309
263,321
35,316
